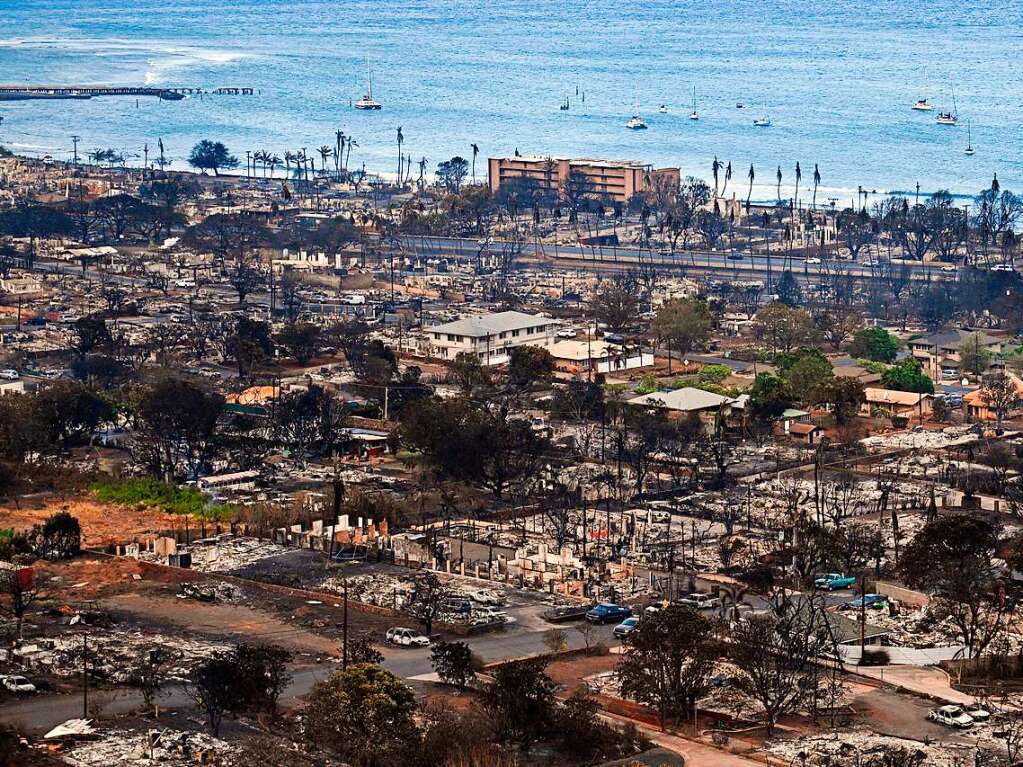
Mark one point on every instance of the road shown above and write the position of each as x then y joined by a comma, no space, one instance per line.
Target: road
695,261
37,715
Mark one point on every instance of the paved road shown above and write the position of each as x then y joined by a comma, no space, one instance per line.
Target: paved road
36,715
610,257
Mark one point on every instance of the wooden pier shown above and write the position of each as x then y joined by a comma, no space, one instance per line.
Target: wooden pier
27,92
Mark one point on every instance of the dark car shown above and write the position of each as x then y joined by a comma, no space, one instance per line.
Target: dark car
608,613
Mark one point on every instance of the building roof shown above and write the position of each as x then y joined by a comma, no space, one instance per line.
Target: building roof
686,400
951,339
978,399
482,325
803,428
580,351
892,397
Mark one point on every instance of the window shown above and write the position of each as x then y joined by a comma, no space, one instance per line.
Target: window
515,334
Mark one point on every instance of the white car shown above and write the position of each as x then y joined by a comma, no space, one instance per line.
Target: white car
948,268
813,261
493,614
9,375
977,712
951,716
18,684
1002,268
407,638
565,333
700,601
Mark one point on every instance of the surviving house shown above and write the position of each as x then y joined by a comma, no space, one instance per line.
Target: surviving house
941,353
979,408
888,403
489,337
598,357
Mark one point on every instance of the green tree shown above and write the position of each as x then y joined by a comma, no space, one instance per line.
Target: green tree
845,395
803,371
615,302
364,714
769,398
529,365
521,700
875,344
211,156
683,324
907,375
668,660
301,339
451,173
453,663
951,559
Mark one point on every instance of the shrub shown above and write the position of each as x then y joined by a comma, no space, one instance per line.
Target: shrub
875,658
144,491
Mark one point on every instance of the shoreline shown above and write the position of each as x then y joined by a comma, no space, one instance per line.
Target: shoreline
845,196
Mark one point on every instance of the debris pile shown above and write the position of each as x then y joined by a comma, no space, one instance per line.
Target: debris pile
860,748
169,748
113,654
951,436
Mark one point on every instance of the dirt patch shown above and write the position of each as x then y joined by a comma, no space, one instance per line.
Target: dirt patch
236,622
102,524
572,669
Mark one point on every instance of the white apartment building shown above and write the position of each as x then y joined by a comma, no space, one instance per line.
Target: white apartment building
489,336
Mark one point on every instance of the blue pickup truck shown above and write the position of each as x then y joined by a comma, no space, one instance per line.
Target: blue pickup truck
832,581
607,613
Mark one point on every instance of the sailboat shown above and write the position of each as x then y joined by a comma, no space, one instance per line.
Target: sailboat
663,109
950,118
969,140
923,106
762,122
564,107
694,115
367,101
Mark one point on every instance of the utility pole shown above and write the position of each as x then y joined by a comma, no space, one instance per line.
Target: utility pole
85,676
344,629
387,390
75,140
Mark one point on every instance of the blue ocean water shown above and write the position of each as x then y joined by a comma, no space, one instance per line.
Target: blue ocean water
837,80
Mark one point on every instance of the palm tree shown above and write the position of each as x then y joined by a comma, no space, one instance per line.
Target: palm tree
715,167
816,181
475,151
351,143
339,152
325,152
779,185
799,177
751,175
273,161
728,177
289,157
422,172
257,157
401,140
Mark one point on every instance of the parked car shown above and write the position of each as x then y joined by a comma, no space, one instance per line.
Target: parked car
948,268
977,712
734,256
608,612
494,614
9,375
1002,268
404,637
832,581
951,716
873,601
700,601
565,333
813,261
18,684
626,627
614,338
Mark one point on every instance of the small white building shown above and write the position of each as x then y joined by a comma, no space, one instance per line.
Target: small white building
489,337
598,356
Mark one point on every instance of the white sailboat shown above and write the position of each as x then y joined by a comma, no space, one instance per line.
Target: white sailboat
694,115
923,106
969,140
950,118
663,109
762,122
367,101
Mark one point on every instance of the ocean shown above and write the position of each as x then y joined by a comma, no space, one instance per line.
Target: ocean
836,79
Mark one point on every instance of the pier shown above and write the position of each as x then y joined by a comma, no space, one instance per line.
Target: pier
27,92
